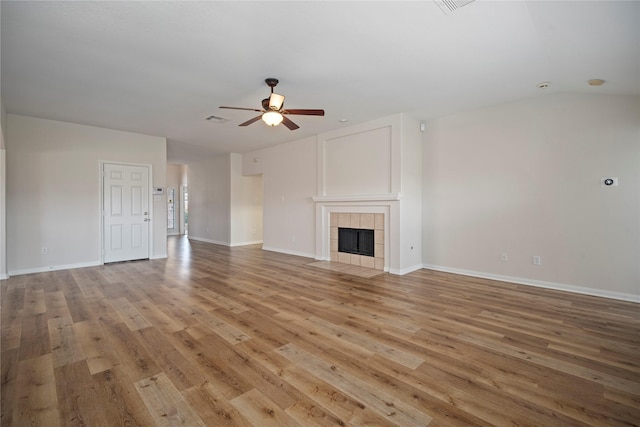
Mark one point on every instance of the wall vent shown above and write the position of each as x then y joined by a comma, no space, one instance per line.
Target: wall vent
450,6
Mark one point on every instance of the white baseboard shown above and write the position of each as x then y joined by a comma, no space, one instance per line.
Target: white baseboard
54,268
218,242
215,242
255,242
4,276
288,252
403,271
538,283
159,256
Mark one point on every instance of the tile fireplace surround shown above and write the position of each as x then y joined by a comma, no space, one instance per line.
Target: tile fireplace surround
362,209
365,221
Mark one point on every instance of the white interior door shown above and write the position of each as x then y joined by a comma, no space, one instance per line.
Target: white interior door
126,212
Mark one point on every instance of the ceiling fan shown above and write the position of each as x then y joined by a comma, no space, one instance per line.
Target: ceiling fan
273,112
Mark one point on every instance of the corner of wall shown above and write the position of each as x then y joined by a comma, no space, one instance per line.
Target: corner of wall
3,125
3,215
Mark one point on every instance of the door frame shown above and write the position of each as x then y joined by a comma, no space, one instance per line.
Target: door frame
101,204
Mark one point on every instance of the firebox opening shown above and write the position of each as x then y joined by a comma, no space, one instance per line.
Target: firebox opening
356,241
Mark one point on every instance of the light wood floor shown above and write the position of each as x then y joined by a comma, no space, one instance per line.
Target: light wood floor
219,336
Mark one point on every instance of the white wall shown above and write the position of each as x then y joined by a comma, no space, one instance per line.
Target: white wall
289,180
3,215
521,179
410,245
209,200
3,125
3,187
359,162
367,158
3,194
53,190
369,167
524,179
225,207
246,205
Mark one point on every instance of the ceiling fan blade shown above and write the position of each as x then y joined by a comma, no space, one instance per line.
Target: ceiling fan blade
248,122
288,123
304,112
240,108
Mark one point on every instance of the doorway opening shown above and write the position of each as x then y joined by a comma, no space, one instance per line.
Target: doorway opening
185,209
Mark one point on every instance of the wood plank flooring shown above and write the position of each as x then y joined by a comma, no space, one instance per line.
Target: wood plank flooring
218,336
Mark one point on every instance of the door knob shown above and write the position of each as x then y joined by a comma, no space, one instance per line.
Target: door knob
146,219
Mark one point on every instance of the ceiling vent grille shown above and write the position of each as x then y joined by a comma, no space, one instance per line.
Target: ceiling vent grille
216,119
450,6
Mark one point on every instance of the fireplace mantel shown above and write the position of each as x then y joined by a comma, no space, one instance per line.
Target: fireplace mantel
358,198
373,167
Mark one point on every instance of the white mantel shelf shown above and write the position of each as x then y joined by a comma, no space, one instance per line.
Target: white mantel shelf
358,198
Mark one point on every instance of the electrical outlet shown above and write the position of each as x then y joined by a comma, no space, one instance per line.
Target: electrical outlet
504,256
536,260
45,251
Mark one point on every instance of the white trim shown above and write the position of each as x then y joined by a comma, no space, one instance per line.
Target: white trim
288,252
4,276
402,272
201,239
159,256
254,242
359,198
54,268
392,122
218,242
538,283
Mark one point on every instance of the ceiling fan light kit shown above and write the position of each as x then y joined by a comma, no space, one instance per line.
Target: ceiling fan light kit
272,118
273,112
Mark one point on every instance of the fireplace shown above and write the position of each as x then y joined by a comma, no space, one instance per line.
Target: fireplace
356,241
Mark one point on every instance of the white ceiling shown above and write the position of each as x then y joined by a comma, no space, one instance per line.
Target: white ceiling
160,68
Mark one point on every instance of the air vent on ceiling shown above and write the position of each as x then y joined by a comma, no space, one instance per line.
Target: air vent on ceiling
217,119
450,6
